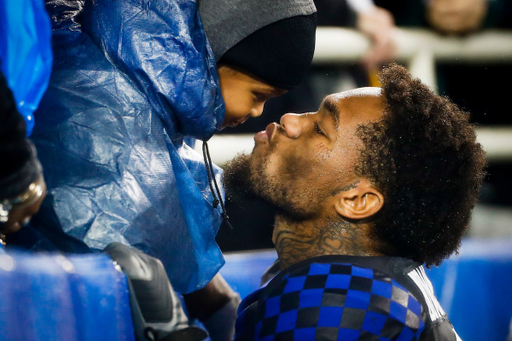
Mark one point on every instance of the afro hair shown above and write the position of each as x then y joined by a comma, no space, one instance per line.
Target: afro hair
424,158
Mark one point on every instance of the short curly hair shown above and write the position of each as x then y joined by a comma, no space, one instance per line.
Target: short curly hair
424,158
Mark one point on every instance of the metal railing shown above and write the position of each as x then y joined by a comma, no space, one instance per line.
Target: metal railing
419,50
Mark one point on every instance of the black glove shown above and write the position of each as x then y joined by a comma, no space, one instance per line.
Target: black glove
156,310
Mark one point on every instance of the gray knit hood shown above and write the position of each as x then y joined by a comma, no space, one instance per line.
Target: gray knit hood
227,22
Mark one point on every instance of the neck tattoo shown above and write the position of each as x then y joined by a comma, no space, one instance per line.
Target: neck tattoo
299,242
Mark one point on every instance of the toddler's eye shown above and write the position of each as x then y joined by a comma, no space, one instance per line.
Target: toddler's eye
259,97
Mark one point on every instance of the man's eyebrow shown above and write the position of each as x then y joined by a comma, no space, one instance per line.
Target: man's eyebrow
333,110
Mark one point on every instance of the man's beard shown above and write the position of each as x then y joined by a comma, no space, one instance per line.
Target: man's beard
238,180
244,183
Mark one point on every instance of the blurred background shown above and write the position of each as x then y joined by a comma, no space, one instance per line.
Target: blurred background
460,48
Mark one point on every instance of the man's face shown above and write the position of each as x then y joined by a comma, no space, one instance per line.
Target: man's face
297,164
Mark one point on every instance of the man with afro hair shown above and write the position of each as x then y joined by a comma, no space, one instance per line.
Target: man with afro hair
375,183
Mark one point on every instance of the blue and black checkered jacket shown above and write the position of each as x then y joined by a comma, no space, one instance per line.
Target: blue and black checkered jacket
345,298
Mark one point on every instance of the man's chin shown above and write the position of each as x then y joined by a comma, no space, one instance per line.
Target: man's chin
237,179
244,185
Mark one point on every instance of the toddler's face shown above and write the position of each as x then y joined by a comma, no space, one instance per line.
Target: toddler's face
244,94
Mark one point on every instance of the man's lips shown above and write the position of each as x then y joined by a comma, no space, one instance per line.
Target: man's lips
270,130
265,135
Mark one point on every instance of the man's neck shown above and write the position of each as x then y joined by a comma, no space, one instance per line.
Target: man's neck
297,241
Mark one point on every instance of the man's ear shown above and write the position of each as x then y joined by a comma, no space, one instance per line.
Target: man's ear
359,202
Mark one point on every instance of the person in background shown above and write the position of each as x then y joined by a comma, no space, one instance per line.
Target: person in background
456,17
378,24
375,183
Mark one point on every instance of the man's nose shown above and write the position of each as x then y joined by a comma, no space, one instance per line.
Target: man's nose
291,124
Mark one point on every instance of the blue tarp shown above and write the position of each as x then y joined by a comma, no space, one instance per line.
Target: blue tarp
131,80
25,53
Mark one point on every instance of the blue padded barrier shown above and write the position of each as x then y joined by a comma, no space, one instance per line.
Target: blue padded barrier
474,288
52,297
243,270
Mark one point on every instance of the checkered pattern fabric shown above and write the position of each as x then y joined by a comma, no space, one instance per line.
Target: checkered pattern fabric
335,301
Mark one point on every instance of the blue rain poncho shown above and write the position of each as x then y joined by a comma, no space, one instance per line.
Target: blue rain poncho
131,80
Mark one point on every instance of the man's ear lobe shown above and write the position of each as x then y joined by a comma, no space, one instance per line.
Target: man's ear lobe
358,203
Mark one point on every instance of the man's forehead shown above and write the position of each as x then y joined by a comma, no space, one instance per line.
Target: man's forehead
332,101
337,102
359,92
